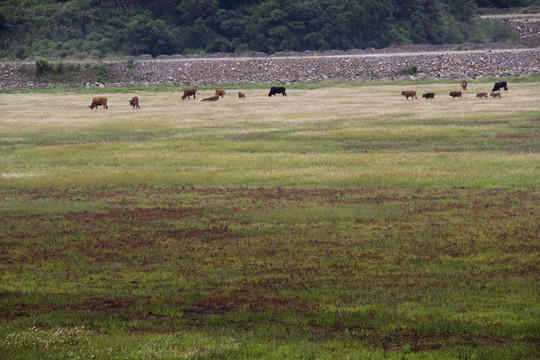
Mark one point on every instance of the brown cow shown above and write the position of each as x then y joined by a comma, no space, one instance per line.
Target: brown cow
241,95
464,84
99,100
134,102
455,94
412,94
482,95
220,92
188,93
213,98
495,94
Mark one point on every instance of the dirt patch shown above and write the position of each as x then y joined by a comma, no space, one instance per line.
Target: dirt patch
422,341
129,216
104,305
241,301
158,213
15,252
210,234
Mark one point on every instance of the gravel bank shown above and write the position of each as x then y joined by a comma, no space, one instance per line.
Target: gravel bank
289,70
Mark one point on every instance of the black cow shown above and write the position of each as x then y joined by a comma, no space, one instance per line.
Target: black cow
277,90
500,85
429,95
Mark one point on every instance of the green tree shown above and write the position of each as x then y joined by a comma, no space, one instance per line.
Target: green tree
99,28
146,35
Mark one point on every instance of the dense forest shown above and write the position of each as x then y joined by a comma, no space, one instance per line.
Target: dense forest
99,28
506,3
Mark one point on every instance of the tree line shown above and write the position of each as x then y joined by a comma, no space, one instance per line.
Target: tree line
506,3
99,28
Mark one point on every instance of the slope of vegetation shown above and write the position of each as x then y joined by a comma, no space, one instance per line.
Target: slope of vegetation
99,28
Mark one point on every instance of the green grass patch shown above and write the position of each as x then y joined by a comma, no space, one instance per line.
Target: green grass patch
355,226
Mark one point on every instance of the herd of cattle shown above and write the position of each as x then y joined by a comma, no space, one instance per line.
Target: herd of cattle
458,94
188,93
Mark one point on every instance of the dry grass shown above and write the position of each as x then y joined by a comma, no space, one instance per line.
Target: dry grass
328,136
363,104
333,223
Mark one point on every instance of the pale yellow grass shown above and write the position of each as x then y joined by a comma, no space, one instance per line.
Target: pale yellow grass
371,104
58,139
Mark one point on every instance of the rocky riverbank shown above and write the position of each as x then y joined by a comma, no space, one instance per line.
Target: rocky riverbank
293,69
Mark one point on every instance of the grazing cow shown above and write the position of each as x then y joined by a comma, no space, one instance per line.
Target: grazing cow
495,94
429,96
213,98
412,94
220,92
241,95
99,100
188,93
482,95
277,90
455,94
134,102
464,84
500,85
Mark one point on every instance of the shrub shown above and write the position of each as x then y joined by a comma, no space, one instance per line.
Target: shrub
42,66
102,74
59,68
21,52
411,70
73,68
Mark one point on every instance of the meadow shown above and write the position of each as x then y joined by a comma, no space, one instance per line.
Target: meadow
340,222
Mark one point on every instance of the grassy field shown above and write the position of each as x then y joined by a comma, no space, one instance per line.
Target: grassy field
340,222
